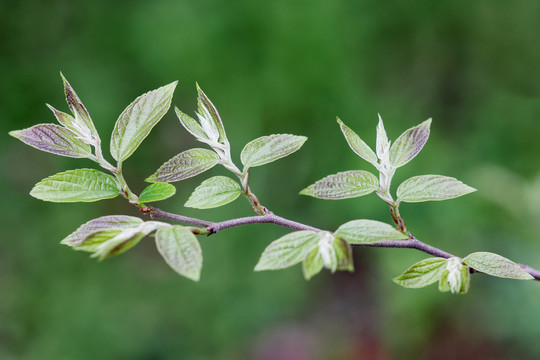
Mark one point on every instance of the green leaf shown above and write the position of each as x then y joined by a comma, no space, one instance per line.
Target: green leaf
181,250
84,185
156,192
270,148
312,264
78,128
422,273
383,145
109,224
54,139
457,281
191,125
431,188
138,119
210,119
409,144
288,250
83,124
214,192
343,185
344,254
496,265
185,165
357,144
368,232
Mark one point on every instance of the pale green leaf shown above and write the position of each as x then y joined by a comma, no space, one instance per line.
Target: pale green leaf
409,144
156,192
422,273
270,148
214,192
185,165
368,232
383,145
81,185
191,125
288,250
431,188
462,281
68,121
343,185
138,119
344,254
209,117
54,139
496,265
83,124
181,250
312,264
357,144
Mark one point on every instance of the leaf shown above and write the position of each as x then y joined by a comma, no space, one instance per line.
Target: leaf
343,185
459,284
288,250
54,139
185,165
83,123
383,145
357,145
181,250
68,121
214,192
208,112
105,223
270,148
368,232
138,119
156,192
312,264
431,188
84,185
191,125
496,265
409,144
343,254
422,273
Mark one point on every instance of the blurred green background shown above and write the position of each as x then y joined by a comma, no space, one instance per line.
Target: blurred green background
276,67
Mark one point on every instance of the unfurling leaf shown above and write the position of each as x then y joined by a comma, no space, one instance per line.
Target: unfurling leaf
54,139
383,145
83,124
156,192
431,188
214,192
496,265
455,278
343,185
368,232
84,185
409,144
185,165
209,118
270,148
138,119
181,250
422,273
312,264
288,250
191,125
357,145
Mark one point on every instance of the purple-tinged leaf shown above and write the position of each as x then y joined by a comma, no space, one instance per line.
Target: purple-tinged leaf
111,223
185,165
409,144
82,117
54,139
343,185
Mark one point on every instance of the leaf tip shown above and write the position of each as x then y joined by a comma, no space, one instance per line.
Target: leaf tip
15,133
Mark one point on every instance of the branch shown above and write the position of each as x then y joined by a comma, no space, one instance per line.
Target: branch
271,218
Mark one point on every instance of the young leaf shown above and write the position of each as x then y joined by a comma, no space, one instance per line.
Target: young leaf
312,264
422,273
83,123
77,127
214,192
138,119
496,265
191,125
83,185
409,144
343,185
210,119
104,223
455,278
270,148
156,192
181,250
368,232
54,139
185,165
343,254
383,145
288,250
431,188
357,145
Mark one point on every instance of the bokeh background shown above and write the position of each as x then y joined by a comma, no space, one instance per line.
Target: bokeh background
276,67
